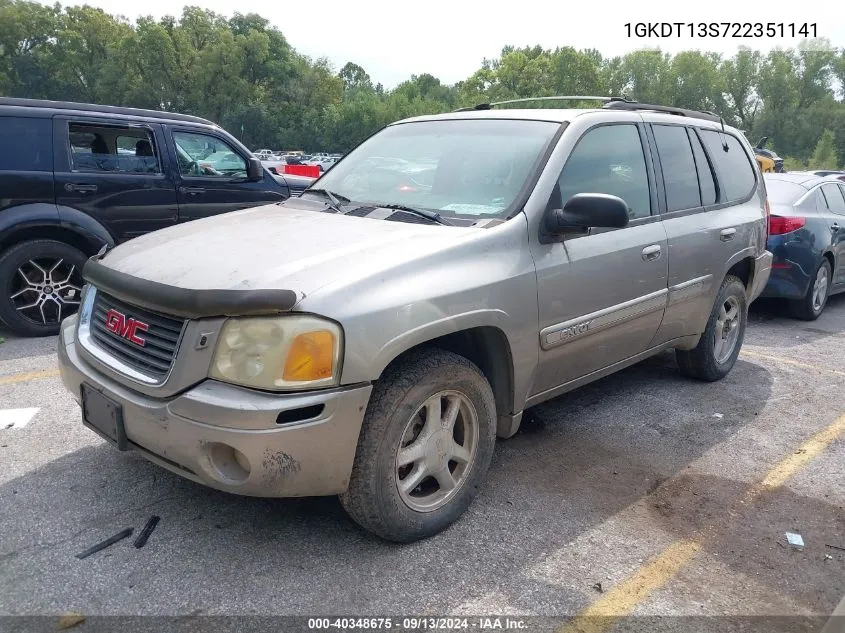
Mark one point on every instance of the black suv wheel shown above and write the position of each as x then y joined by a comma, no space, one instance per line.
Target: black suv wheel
40,284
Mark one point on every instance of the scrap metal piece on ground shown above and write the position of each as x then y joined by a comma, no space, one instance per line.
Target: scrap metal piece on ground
794,539
104,544
69,620
141,540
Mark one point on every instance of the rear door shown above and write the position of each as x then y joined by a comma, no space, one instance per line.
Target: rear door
212,175
113,171
835,195
711,215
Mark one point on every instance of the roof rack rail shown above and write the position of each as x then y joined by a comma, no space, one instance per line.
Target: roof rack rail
92,107
635,105
490,106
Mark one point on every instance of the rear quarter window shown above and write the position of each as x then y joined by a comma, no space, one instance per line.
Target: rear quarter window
26,144
733,166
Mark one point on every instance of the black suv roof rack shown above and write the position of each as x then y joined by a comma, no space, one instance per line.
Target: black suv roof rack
91,107
612,103
622,104
490,106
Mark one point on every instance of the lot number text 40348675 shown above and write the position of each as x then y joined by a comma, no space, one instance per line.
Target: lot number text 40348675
721,29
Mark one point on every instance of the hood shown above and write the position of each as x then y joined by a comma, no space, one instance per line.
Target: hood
296,247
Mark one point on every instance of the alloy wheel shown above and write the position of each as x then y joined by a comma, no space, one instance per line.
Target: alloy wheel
437,451
44,290
727,329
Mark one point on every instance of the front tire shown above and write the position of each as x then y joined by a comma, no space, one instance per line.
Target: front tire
425,447
716,353
812,305
40,284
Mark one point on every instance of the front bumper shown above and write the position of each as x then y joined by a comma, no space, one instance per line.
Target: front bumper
229,437
760,277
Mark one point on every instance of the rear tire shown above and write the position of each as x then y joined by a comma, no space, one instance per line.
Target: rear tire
40,284
411,480
812,305
716,353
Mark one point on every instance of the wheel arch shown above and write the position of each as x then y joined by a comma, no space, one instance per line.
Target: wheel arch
46,222
488,347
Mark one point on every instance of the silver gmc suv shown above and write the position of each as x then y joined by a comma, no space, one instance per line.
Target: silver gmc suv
372,338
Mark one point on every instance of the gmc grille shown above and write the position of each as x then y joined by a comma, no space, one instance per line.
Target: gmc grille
161,339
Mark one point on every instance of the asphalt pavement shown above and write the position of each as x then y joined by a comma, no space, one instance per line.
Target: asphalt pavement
645,493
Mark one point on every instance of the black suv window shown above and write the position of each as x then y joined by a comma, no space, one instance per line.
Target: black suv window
706,181
96,148
733,166
609,159
679,175
833,195
206,155
26,144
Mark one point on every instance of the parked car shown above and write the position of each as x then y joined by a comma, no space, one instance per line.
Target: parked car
371,341
75,177
323,162
264,154
838,174
767,159
807,239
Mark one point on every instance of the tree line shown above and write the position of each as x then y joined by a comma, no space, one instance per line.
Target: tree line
242,73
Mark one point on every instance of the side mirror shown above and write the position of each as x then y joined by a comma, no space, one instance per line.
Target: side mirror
254,170
585,210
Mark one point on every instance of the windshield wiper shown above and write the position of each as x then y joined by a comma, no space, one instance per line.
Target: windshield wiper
334,198
423,213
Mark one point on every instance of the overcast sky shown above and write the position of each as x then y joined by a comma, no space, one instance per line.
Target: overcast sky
392,39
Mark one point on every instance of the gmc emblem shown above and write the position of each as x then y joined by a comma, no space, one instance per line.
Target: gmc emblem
128,328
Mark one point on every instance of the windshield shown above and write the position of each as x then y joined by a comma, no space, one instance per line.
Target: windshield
470,167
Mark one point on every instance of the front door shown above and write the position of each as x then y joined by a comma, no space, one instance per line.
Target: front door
213,176
602,295
114,172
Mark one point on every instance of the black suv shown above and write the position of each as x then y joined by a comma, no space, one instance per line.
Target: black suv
75,177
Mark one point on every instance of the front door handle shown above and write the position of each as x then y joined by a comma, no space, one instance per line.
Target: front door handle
727,235
72,186
191,191
650,253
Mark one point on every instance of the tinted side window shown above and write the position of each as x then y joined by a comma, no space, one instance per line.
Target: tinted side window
733,166
205,155
835,201
679,175
26,144
706,181
609,159
97,148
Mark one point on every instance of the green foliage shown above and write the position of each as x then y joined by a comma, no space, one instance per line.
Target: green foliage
824,156
242,73
790,163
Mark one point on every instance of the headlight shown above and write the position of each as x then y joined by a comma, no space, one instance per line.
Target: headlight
278,353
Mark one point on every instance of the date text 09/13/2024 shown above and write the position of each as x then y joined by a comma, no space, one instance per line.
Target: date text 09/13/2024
419,623
721,29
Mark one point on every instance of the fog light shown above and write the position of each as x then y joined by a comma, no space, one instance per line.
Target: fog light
228,464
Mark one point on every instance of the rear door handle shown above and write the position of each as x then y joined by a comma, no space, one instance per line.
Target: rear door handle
834,227
651,253
191,191
727,235
71,186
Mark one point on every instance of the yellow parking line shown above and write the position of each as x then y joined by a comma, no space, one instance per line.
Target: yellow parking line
789,361
622,599
27,376
809,450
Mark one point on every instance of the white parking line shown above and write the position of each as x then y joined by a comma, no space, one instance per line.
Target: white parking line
16,418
